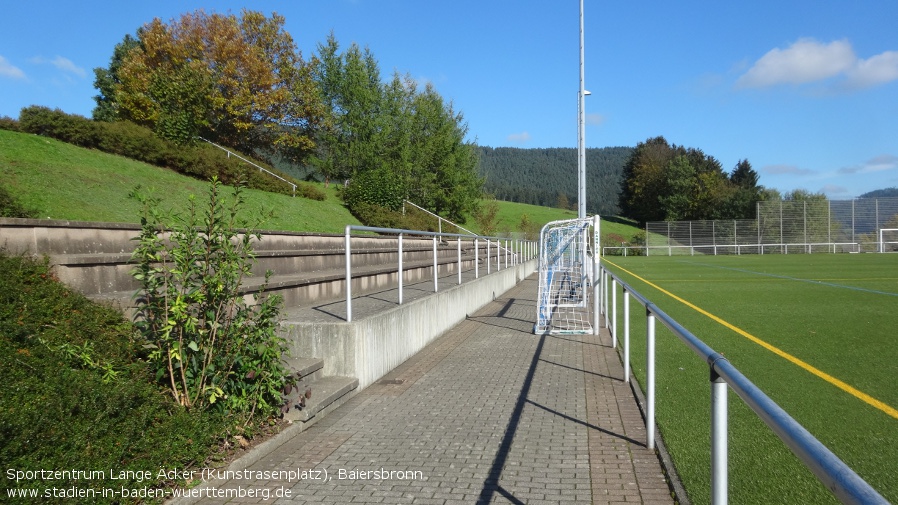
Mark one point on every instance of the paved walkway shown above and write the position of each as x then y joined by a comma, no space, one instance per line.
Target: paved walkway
487,413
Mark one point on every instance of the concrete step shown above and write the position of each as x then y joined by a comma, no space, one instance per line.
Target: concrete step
305,369
313,399
304,288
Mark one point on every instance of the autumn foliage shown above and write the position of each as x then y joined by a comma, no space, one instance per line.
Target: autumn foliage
240,81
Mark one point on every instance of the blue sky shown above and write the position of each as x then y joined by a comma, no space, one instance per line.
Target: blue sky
807,91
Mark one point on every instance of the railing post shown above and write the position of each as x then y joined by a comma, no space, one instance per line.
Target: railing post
626,335
459,258
348,277
476,258
488,267
650,379
596,301
605,297
613,313
506,254
719,467
400,269
435,282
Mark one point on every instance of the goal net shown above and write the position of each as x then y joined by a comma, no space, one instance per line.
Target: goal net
567,263
888,239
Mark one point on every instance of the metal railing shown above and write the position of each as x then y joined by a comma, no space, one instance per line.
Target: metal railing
513,251
440,219
261,169
739,249
844,483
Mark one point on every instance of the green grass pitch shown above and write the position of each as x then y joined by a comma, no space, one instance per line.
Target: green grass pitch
835,313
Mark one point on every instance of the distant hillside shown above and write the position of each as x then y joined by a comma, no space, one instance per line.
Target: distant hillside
881,193
539,176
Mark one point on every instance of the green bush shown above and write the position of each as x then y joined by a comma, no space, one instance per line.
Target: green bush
62,409
378,187
209,347
382,217
8,123
57,124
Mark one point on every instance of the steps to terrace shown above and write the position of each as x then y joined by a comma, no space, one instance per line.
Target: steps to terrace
308,271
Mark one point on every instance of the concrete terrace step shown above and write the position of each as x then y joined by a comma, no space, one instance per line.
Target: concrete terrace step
326,394
305,288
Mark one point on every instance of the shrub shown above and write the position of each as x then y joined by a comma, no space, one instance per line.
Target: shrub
57,124
60,408
209,347
375,187
8,123
382,217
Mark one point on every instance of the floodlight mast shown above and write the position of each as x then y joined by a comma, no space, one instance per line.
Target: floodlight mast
581,132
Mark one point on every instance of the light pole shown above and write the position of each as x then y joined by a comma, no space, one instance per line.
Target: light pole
581,133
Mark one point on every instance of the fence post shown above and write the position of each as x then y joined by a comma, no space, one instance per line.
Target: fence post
650,378
435,282
476,258
348,277
488,266
626,336
719,467
400,269
459,258
613,313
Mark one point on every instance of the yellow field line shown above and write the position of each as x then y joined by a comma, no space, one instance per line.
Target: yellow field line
775,350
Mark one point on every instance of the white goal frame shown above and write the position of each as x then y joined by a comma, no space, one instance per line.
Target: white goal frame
882,242
568,271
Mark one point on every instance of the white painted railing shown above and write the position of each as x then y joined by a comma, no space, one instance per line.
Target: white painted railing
261,169
846,485
509,250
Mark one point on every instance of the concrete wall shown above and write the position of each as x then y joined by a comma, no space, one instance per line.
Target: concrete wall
373,345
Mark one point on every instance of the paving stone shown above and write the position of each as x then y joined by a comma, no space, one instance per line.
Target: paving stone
488,413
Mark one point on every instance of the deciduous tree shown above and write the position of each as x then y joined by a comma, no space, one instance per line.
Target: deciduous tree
240,81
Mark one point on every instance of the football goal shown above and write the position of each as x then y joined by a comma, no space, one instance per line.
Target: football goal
888,239
568,291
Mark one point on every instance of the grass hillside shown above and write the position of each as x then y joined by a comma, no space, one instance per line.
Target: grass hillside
62,181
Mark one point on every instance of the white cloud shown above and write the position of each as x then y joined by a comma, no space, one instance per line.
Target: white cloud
521,138
809,60
786,170
879,69
877,164
9,70
804,61
834,190
61,63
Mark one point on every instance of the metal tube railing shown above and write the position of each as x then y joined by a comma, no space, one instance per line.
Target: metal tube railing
261,169
846,485
435,235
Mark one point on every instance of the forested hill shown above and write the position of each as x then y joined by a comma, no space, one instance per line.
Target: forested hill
541,176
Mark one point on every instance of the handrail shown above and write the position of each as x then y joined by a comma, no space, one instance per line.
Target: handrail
845,484
262,169
518,249
440,219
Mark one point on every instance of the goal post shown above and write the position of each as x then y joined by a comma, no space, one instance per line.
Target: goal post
888,240
568,277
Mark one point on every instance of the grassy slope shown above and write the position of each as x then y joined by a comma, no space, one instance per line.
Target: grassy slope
63,181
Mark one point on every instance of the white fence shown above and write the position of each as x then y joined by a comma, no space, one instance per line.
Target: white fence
781,227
